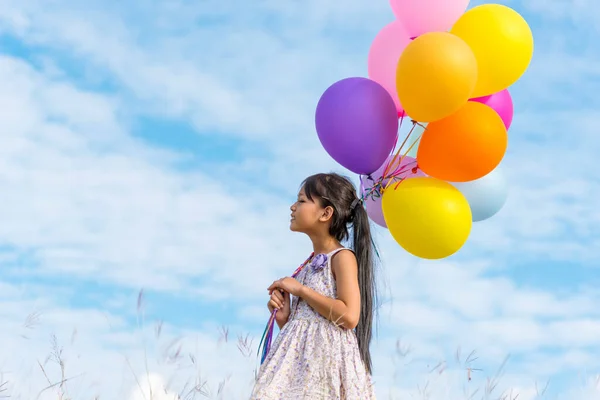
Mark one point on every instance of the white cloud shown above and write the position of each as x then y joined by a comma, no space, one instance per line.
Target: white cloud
84,198
197,74
153,387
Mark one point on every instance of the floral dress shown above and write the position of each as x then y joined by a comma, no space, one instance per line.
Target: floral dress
312,358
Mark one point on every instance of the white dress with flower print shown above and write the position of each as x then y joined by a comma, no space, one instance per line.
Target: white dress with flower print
312,358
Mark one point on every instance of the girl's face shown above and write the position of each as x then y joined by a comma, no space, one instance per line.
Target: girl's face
306,214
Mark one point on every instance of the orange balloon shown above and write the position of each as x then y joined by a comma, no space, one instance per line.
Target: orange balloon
465,146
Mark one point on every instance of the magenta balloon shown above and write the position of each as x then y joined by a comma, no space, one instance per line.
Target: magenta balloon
406,168
502,103
357,124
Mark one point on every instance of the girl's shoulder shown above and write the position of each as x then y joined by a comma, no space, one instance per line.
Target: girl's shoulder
340,249
343,262
349,253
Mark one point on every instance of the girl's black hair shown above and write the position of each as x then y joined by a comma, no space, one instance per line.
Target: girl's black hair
339,193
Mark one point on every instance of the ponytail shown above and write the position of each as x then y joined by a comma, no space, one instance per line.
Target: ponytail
364,249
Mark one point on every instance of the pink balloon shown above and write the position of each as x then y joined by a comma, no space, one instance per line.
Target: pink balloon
406,169
502,103
422,16
384,54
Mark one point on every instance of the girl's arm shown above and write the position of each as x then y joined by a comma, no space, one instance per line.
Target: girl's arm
281,324
345,310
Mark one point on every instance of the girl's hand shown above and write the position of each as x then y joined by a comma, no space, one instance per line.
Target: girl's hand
281,302
287,284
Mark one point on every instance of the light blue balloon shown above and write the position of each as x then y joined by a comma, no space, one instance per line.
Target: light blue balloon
486,195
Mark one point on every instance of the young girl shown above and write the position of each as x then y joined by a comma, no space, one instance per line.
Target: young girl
322,351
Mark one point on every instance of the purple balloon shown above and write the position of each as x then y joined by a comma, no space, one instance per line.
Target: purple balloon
405,169
357,124
502,103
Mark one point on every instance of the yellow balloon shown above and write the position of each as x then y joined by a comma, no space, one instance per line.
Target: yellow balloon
428,217
436,76
502,42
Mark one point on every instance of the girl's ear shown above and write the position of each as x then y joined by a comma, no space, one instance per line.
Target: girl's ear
327,214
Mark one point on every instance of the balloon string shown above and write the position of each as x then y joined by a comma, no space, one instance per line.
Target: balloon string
403,169
397,153
403,144
377,188
395,177
405,153
393,160
387,167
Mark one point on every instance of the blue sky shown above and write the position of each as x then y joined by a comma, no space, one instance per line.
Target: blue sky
158,145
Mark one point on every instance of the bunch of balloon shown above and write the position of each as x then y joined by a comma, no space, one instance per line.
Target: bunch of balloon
448,73
454,74
457,81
